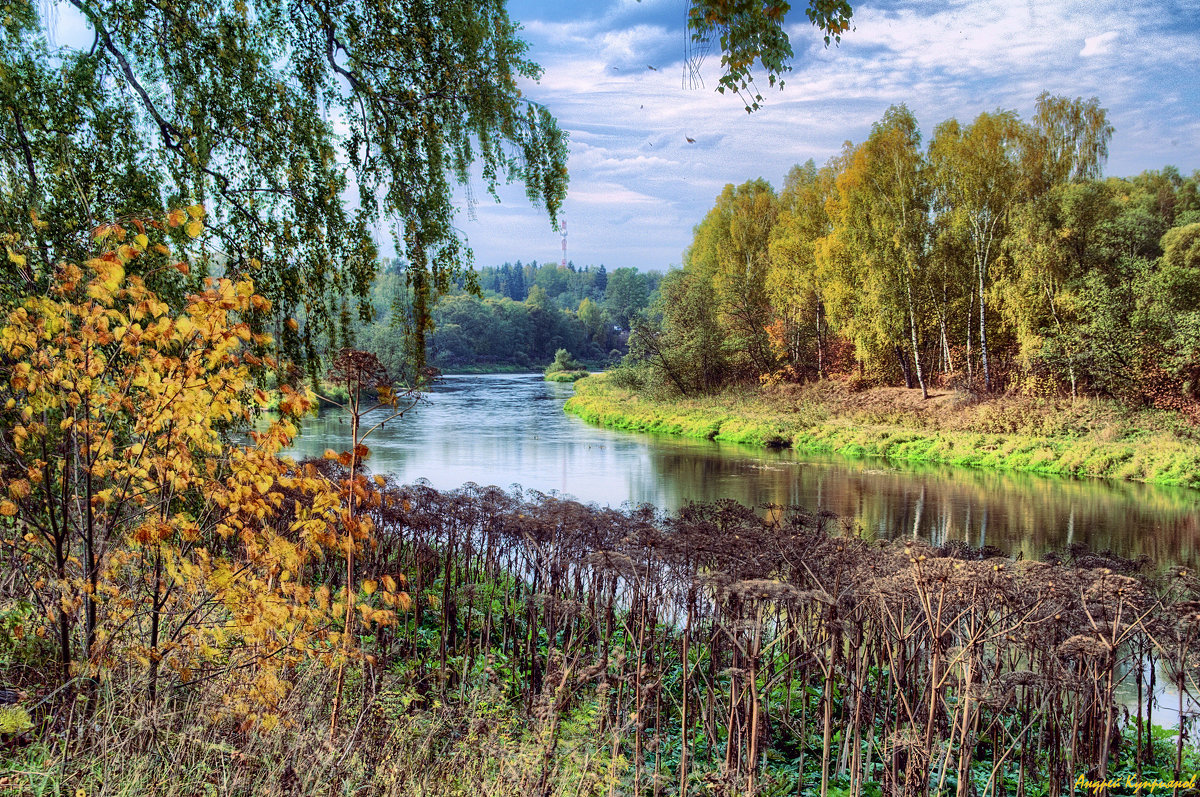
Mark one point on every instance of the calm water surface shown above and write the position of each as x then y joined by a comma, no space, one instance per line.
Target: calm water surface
511,429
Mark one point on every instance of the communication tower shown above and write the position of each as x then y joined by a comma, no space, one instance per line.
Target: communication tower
563,227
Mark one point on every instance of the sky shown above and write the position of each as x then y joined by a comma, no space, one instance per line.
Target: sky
615,77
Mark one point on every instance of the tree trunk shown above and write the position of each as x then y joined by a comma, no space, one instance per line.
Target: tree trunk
912,326
983,351
908,382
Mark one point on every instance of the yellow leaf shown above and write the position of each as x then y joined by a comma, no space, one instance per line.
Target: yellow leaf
7,508
194,228
18,259
114,277
141,240
196,211
176,217
369,587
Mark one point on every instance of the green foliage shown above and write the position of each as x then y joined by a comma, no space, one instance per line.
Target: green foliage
753,31
680,345
272,114
628,291
19,642
565,368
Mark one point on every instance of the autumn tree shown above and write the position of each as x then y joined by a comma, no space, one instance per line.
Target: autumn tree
731,252
795,285
1068,141
978,169
882,211
148,541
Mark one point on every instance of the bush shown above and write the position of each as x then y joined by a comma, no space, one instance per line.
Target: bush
564,361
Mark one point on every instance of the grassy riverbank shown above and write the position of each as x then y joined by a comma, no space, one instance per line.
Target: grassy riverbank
1083,438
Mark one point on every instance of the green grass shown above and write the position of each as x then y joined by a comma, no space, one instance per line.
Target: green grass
565,376
1069,438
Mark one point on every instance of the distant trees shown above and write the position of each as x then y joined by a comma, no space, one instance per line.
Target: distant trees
995,257
563,308
627,292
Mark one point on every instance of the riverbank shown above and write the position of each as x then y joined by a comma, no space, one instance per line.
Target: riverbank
513,654
1080,438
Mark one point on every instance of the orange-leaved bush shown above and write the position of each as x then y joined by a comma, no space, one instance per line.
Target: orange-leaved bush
153,547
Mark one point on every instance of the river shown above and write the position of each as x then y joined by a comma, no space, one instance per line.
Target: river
511,429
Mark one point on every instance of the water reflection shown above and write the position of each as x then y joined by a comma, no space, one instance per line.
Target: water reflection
511,430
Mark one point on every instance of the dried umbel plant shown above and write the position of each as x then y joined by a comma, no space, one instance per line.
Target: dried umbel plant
719,634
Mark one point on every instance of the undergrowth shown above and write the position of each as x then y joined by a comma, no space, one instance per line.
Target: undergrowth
550,648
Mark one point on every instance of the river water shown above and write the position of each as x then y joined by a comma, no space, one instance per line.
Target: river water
511,429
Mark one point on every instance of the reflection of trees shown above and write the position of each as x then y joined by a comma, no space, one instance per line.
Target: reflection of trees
1016,512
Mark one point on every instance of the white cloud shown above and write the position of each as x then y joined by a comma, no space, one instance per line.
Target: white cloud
1098,45
638,187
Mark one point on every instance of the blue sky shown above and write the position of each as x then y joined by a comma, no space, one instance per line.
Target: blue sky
638,187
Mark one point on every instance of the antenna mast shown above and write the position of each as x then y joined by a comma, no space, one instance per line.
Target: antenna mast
563,227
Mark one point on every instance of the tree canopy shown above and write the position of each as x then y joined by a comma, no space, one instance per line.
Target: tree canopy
303,128
995,257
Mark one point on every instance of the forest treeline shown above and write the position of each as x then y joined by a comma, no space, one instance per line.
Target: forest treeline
510,317
994,257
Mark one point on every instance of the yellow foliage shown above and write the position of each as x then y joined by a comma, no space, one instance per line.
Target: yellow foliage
138,393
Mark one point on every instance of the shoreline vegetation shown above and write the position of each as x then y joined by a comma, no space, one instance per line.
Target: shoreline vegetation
566,376
515,643
565,368
1092,437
